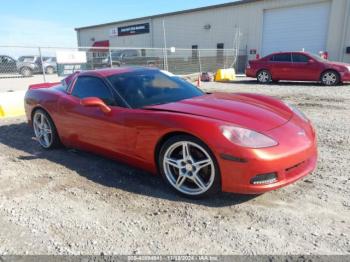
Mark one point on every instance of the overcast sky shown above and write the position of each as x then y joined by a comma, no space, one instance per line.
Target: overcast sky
52,23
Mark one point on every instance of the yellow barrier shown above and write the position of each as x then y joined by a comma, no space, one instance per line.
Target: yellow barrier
12,104
225,75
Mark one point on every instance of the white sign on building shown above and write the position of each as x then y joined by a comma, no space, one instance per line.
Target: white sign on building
71,57
113,32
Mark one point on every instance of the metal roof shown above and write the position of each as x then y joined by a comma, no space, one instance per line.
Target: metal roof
241,2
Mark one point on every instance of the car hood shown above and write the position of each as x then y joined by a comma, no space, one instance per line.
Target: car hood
337,63
257,113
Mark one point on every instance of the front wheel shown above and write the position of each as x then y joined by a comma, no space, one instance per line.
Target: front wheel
189,167
264,77
330,78
26,72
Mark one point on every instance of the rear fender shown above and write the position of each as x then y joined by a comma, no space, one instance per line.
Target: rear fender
43,85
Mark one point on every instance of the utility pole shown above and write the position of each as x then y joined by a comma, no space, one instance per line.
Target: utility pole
42,64
236,45
110,57
165,48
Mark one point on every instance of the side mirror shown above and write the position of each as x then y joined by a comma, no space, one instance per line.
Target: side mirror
311,61
95,102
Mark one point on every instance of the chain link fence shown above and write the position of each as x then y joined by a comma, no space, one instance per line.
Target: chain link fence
30,65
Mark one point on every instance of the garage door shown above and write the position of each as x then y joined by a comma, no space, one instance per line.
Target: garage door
296,28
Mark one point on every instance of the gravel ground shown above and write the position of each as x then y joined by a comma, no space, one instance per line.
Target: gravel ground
70,202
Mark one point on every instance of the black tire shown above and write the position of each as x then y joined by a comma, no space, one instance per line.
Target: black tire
50,70
210,172
26,72
55,140
264,77
330,78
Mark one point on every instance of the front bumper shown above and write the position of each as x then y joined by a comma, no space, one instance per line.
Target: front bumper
294,158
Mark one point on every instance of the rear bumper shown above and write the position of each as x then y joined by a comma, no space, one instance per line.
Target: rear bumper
250,72
289,161
345,76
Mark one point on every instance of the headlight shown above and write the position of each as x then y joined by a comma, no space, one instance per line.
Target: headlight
247,138
297,112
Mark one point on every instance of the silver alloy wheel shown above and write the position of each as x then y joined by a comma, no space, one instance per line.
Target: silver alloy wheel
263,77
26,72
184,171
42,129
329,78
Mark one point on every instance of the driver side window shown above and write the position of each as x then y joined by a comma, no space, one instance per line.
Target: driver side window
87,86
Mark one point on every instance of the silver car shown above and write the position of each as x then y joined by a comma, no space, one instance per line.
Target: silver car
29,65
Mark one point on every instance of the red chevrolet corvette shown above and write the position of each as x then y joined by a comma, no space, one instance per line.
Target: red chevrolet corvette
200,143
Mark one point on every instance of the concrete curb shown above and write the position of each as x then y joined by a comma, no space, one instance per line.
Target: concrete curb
12,104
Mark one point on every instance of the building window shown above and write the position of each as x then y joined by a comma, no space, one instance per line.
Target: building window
220,46
195,52
143,52
220,53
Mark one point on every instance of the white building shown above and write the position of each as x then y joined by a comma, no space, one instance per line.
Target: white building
265,25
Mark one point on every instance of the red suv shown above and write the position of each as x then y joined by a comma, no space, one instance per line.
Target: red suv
298,66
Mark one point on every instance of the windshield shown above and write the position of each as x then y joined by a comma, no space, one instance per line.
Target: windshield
317,57
152,87
48,59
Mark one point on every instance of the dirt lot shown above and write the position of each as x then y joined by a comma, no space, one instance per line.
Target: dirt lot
70,202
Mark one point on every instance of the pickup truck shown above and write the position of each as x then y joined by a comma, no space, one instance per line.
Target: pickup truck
8,65
127,57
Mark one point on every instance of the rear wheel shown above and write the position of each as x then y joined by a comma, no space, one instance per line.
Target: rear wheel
189,167
45,130
264,77
330,78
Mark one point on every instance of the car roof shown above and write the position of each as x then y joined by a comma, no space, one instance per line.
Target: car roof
288,52
106,72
